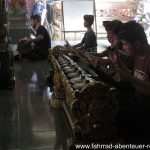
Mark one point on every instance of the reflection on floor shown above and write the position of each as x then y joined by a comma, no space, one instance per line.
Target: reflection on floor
26,120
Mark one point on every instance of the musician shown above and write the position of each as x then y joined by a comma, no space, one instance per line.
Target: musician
89,41
110,26
116,45
40,44
136,117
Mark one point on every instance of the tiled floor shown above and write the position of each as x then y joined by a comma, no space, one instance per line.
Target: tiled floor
26,120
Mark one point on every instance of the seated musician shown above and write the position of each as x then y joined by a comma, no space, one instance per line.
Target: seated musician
117,45
110,26
89,41
40,44
136,117
112,33
5,60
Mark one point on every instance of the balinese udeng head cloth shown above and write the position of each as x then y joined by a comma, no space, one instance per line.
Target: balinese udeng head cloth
133,32
117,28
110,25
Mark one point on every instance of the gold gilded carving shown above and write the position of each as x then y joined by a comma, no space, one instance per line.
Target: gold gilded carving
92,105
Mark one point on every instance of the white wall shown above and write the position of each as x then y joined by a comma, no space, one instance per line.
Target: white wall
74,12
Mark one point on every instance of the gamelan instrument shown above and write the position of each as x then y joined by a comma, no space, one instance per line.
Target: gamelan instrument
90,104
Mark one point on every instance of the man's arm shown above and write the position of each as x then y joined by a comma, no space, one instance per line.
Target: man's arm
124,74
77,45
37,39
102,54
104,62
99,60
142,86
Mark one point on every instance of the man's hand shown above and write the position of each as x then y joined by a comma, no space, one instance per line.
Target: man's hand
94,62
71,49
27,42
75,52
23,39
92,59
122,73
114,57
